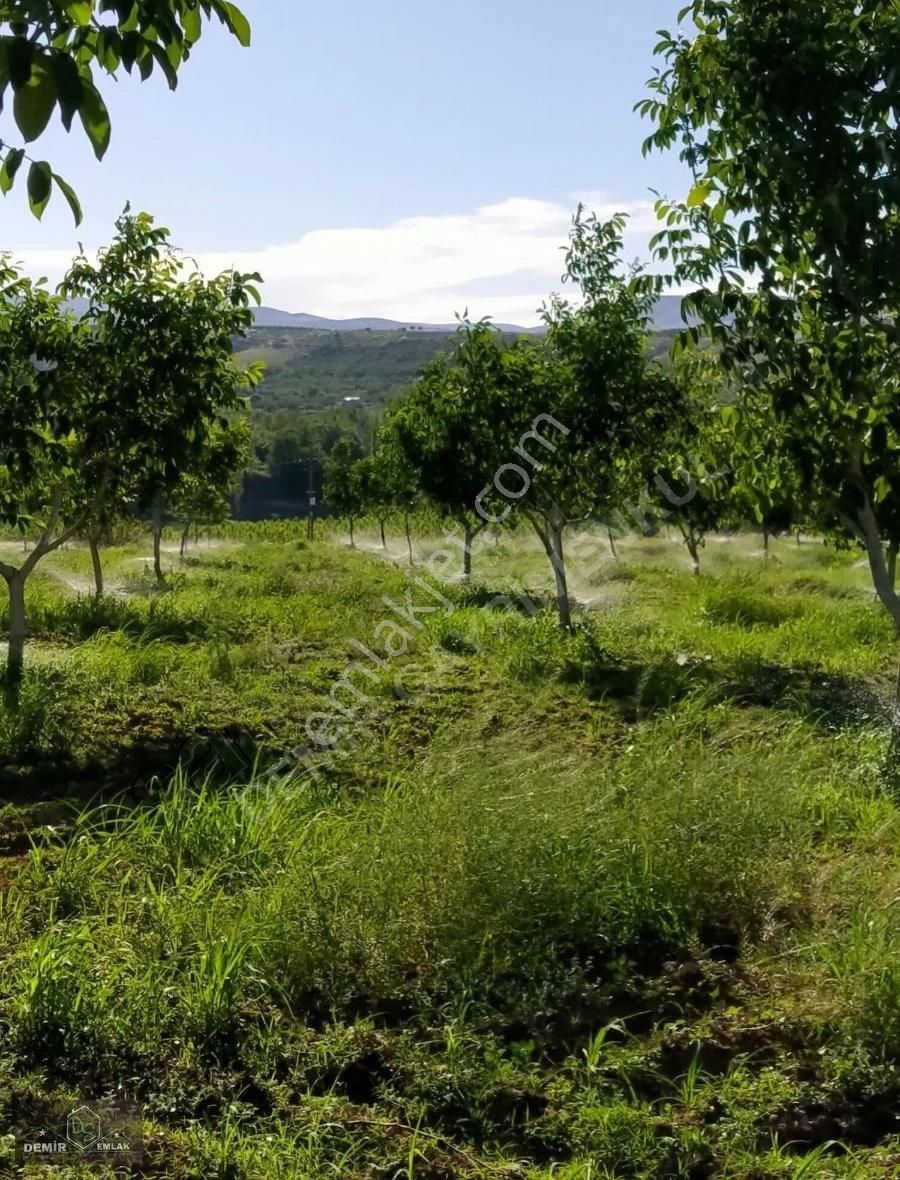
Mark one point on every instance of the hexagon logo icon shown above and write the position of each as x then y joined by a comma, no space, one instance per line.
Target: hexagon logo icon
83,1128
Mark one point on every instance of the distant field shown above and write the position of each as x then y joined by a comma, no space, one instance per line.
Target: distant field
620,903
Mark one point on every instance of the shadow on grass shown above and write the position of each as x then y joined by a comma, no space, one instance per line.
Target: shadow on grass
85,616
830,702
134,772
526,602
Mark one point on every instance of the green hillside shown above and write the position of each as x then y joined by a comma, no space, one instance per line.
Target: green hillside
312,370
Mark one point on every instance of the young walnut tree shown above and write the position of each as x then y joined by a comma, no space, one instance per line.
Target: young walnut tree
789,239
118,405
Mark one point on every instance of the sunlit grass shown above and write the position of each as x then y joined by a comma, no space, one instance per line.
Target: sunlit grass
615,903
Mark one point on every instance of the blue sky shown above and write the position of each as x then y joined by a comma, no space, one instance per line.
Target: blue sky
396,158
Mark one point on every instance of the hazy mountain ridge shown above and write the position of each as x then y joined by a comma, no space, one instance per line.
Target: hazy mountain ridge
667,316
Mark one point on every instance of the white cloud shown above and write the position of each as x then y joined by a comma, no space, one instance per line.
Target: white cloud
500,260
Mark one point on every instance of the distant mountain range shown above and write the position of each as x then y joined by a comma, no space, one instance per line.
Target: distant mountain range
667,317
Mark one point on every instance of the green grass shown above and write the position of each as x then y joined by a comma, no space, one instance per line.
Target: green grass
620,903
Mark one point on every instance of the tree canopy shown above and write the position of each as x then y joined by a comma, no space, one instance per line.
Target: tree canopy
786,115
119,405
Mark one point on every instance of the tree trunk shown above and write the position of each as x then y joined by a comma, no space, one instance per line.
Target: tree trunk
352,538
94,544
157,546
892,563
562,586
694,550
383,539
765,533
878,567
467,553
185,537
408,537
799,537
551,535
612,544
15,659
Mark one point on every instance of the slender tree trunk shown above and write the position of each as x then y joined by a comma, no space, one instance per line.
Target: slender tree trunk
612,543
94,544
408,537
765,533
550,532
878,566
799,538
383,538
185,537
157,545
352,538
467,553
15,659
694,550
563,605
892,563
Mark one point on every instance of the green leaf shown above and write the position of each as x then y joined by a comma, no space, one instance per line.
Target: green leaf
132,21
175,54
10,167
191,23
238,24
164,62
20,55
40,187
699,194
95,118
109,45
67,79
71,197
34,103
79,11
